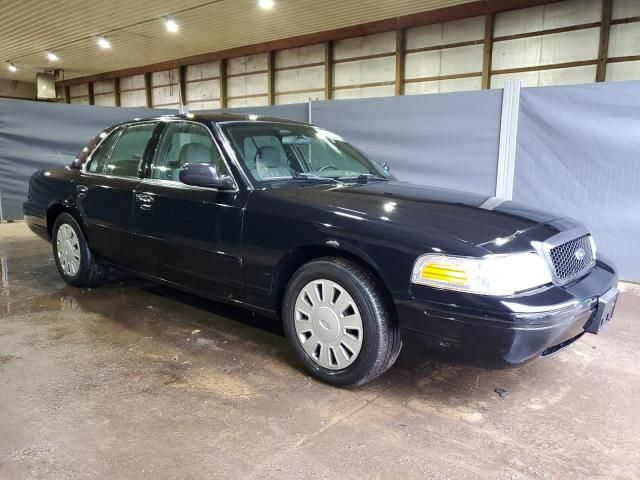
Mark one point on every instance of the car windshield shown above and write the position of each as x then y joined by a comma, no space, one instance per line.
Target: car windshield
270,151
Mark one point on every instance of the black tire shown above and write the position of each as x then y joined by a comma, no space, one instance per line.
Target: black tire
91,272
381,342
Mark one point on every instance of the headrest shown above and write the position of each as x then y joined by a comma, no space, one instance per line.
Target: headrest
195,153
269,156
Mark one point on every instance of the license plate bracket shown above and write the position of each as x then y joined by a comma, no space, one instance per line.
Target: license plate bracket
606,307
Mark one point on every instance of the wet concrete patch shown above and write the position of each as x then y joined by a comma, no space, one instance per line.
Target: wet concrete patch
134,380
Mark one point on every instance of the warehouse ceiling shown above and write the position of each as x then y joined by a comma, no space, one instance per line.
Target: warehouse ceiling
137,34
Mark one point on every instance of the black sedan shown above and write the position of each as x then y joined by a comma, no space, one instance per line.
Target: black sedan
290,220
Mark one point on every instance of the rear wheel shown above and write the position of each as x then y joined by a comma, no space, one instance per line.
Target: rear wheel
338,322
75,261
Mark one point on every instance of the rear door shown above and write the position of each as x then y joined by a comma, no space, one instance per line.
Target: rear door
190,235
105,190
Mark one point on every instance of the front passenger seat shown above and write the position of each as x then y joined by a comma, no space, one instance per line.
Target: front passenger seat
269,164
191,153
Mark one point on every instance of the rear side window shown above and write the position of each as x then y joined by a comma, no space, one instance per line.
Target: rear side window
183,143
101,154
126,156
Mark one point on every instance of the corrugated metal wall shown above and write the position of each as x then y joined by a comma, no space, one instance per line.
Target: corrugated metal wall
553,44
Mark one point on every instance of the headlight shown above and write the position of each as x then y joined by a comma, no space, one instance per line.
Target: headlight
490,275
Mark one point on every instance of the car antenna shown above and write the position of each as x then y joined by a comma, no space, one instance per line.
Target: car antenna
182,109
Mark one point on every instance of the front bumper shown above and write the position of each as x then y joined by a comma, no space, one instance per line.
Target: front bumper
498,332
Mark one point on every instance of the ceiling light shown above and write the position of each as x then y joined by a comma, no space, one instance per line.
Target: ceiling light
170,24
12,67
103,42
265,4
52,56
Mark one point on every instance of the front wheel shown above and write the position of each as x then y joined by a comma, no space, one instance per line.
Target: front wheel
338,322
75,261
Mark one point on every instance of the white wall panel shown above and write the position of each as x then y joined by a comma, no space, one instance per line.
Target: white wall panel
202,71
79,94
165,92
543,78
299,79
450,61
135,98
248,102
364,71
202,85
625,9
445,33
299,97
546,49
104,93
203,91
80,100
79,90
442,86
105,100
623,71
204,105
361,46
164,77
247,85
163,96
129,83
300,56
624,39
20,89
382,91
104,86
251,63
553,15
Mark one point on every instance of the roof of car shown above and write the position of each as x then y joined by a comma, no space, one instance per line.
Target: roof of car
221,117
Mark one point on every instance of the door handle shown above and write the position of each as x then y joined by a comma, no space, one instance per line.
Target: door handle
144,201
82,189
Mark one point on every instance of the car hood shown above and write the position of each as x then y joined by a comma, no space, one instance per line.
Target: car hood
472,218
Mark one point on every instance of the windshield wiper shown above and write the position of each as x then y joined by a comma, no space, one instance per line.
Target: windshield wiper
312,176
363,178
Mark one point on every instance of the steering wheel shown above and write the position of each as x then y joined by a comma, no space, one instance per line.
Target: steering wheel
326,167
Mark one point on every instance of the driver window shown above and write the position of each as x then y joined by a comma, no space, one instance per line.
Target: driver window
183,143
126,156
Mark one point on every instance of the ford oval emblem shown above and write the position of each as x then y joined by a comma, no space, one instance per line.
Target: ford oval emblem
579,254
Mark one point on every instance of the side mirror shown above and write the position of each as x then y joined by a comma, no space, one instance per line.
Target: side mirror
205,175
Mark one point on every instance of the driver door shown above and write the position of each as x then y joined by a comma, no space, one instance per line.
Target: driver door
190,236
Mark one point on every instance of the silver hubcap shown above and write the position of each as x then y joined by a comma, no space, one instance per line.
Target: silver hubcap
68,249
328,324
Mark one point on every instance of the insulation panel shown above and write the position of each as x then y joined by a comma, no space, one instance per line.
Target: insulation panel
563,47
545,17
132,92
543,78
465,30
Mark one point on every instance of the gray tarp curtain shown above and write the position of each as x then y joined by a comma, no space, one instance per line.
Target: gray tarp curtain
578,154
34,135
449,140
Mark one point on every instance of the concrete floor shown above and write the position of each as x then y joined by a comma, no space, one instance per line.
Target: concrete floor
133,380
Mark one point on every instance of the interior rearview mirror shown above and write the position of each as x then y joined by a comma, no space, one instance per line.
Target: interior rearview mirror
296,140
205,175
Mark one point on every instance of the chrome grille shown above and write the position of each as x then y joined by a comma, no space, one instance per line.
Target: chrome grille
572,258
